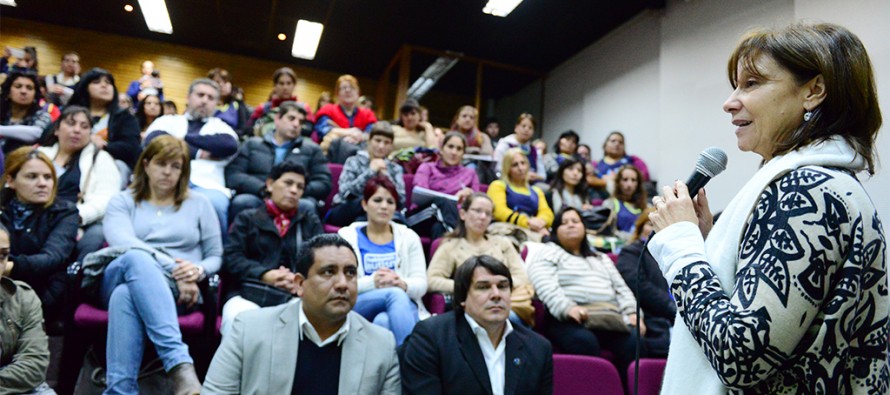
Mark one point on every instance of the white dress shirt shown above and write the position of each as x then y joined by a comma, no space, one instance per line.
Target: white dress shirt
495,358
309,330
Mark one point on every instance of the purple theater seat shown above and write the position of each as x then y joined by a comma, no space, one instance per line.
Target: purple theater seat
435,303
579,374
483,188
91,317
330,228
336,169
651,374
613,256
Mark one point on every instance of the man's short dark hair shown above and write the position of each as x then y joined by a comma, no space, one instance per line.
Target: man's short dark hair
306,256
382,128
463,277
289,106
287,166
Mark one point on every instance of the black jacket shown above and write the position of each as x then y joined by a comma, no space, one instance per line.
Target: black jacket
247,173
442,356
653,294
254,246
123,137
41,250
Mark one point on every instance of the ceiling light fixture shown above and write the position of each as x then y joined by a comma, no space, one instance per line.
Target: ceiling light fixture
282,36
430,76
128,8
500,8
306,39
156,16
10,3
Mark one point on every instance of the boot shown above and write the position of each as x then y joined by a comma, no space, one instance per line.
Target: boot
185,380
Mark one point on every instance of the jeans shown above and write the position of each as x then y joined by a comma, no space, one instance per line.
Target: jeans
220,204
390,308
139,302
91,241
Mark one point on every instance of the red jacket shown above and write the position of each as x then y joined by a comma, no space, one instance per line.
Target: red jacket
363,117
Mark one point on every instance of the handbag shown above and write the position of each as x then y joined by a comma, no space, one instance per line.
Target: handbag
605,316
265,295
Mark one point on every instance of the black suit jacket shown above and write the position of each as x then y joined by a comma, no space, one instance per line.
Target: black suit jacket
442,356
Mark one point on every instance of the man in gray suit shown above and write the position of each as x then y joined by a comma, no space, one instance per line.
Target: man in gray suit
314,346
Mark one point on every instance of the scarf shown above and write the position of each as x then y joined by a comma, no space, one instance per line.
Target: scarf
282,219
688,370
20,212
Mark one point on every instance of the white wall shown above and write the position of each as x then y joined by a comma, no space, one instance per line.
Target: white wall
661,78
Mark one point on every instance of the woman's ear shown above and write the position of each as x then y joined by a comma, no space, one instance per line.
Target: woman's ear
9,180
814,92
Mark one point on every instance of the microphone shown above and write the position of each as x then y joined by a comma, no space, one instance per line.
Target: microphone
710,163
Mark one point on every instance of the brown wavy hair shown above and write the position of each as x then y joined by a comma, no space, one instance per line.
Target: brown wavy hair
14,163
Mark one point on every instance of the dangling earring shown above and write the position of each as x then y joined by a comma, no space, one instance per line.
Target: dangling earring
807,116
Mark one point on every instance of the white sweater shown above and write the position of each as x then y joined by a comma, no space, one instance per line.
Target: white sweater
411,264
104,181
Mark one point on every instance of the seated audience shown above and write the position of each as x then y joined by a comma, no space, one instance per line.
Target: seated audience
652,292
584,152
469,240
448,176
343,122
285,82
315,345
475,349
87,176
149,109
366,102
26,64
212,144
170,108
323,99
569,186
247,173
391,265
614,157
515,201
22,121
493,130
478,143
566,147
580,287
628,200
60,87
231,110
409,131
522,139
124,102
115,130
148,84
42,229
168,240
360,168
25,347
264,242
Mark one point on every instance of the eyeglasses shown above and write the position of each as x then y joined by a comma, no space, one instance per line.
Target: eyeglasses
480,212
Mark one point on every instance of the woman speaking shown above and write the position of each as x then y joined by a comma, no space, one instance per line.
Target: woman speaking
788,292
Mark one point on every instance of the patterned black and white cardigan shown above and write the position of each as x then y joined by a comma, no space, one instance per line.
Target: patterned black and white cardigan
809,310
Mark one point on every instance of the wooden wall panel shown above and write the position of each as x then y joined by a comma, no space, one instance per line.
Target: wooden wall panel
178,64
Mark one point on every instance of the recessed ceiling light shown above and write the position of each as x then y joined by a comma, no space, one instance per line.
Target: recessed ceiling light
282,36
10,3
500,8
156,16
306,39
128,8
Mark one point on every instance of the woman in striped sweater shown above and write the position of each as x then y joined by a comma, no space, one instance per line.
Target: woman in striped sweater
570,277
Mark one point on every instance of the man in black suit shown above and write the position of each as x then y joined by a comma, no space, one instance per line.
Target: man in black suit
475,349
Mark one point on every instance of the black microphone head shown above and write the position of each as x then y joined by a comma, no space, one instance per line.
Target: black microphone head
711,162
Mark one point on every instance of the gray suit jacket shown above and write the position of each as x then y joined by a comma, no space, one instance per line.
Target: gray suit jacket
259,356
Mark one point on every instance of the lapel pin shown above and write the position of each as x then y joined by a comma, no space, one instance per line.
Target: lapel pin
517,361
